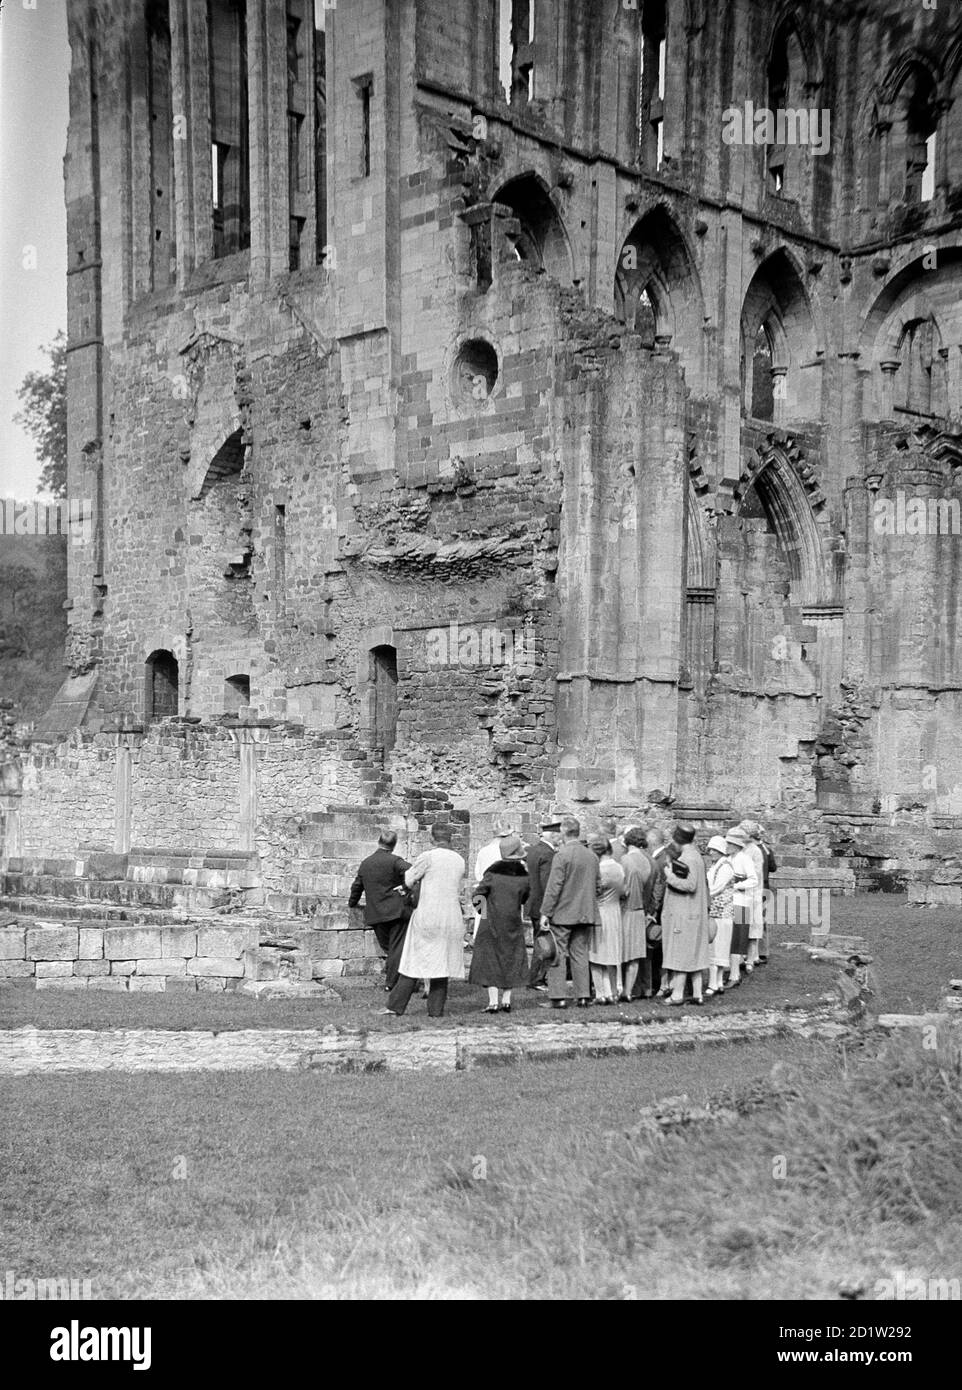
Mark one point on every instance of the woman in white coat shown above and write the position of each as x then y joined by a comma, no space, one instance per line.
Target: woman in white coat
434,945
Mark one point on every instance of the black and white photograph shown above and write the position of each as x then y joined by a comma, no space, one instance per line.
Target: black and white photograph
480,671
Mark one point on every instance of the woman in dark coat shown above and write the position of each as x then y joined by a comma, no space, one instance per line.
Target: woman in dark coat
500,960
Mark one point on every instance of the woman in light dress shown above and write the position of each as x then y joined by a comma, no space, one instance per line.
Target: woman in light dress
744,884
604,944
756,925
721,876
635,909
434,945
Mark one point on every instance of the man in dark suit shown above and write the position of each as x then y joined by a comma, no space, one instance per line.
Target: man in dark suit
380,879
538,863
568,908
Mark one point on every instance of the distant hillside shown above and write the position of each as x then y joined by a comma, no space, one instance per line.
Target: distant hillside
33,623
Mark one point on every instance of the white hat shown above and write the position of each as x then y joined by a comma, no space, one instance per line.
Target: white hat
718,842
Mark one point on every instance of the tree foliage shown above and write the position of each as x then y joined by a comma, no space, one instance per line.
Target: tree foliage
44,416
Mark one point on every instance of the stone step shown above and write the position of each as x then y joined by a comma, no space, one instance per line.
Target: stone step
837,879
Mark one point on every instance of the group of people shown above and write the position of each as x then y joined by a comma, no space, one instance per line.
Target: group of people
636,914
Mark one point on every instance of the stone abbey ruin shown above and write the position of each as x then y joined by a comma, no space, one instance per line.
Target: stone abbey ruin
472,415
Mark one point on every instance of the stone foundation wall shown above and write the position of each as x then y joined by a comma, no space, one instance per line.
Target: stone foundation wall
179,959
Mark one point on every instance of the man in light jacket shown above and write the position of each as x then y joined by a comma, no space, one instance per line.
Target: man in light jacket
568,908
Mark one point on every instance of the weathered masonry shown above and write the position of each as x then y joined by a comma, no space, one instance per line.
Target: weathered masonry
477,416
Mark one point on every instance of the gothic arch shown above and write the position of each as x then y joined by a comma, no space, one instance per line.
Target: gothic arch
795,17
542,240
788,500
777,300
654,260
927,289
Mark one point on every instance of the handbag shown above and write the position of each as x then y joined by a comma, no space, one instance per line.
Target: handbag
653,930
545,946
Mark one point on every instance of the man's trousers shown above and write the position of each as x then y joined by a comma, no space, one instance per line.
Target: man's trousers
400,996
390,938
572,944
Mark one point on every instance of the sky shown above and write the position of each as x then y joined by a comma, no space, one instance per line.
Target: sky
34,70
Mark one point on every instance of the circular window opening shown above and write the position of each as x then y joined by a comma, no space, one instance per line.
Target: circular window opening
475,371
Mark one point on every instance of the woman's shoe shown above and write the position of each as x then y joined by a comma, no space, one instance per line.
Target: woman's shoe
489,1009
697,1002
674,1003
584,1003
505,1008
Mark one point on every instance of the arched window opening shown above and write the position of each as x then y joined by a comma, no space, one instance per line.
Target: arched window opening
652,55
385,678
516,50
162,687
777,498
917,359
913,139
646,319
778,342
763,380
226,463
539,242
786,93
237,694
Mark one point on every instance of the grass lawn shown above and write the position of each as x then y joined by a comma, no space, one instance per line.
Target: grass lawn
527,1182
917,950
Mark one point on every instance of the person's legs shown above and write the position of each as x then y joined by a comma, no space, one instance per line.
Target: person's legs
506,999
630,968
578,950
601,980
398,931
492,996
557,975
697,982
678,978
437,997
400,996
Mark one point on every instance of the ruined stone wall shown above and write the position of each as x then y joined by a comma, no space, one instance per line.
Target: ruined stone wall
467,418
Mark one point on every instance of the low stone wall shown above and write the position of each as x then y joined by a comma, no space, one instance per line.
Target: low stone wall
179,959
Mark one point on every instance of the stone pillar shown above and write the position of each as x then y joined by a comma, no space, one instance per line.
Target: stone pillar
779,394
246,740
267,105
127,743
192,167
889,368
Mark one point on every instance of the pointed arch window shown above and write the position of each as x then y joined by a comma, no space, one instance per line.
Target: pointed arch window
763,374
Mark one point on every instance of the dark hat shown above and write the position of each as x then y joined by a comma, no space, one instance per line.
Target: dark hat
552,823
683,833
